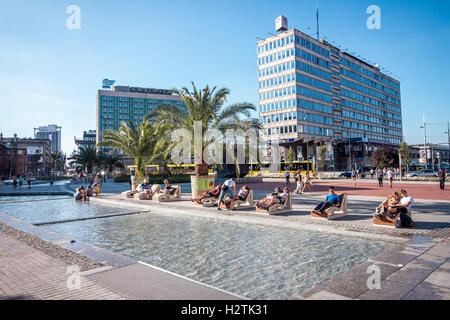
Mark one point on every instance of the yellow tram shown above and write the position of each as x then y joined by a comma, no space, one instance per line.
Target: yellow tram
303,166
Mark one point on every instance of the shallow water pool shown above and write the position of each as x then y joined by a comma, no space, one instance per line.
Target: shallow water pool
253,261
257,262
38,209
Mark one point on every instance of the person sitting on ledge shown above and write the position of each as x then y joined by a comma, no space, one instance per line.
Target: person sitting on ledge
332,199
405,207
96,190
81,194
89,191
214,193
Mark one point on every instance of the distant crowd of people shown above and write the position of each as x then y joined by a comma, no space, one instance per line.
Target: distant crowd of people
81,177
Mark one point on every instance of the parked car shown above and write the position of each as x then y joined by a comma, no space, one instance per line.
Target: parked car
423,173
346,174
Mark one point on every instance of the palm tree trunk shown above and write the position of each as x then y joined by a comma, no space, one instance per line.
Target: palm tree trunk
201,169
139,167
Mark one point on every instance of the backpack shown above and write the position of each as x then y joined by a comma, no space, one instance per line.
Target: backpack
225,188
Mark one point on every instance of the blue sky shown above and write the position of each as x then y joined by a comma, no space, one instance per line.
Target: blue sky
50,74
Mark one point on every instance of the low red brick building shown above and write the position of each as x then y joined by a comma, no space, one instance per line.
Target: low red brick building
12,161
23,156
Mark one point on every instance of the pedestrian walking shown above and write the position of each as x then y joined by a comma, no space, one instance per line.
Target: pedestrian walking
390,175
14,183
308,182
380,177
354,176
29,182
288,174
372,172
442,174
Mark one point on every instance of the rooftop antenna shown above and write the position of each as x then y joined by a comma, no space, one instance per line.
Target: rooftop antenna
317,16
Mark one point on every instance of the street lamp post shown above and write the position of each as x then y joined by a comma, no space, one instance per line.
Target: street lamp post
425,141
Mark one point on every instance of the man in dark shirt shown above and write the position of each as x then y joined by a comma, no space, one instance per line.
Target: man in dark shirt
442,175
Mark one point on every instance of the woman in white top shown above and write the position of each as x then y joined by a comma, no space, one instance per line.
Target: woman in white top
307,182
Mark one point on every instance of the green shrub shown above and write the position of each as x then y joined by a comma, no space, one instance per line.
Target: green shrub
122,178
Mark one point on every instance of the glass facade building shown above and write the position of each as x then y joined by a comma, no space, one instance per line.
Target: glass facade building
311,92
124,103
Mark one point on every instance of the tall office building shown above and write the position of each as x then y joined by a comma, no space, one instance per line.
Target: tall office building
312,93
51,132
124,103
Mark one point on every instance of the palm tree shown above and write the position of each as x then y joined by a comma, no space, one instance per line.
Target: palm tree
112,162
57,161
86,156
138,141
206,106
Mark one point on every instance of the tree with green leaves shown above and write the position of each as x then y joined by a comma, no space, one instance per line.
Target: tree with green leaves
405,153
290,157
207,107
113,161
144,142
57,161
86,157
385,157
321,157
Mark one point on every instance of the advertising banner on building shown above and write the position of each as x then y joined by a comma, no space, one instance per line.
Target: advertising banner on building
35,150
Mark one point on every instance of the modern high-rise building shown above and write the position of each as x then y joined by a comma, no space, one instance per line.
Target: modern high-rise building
51,132
124,103
312,93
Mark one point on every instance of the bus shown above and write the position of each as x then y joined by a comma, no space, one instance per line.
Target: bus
303,166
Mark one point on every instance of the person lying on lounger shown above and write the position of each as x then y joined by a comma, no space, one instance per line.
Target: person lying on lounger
168,189
214,193
386,208
332,199
262,203
145,188
242,195
398,203
278,198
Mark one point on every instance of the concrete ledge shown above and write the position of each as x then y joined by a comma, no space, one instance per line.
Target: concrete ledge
102,256
36,193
